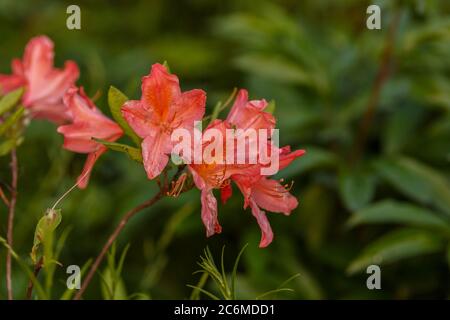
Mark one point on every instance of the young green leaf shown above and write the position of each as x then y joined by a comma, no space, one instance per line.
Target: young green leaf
8,145
10,100
11,120
134,153
116,100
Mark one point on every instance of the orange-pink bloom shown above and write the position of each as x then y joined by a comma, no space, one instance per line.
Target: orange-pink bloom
162,109
86,122
258,190
44,85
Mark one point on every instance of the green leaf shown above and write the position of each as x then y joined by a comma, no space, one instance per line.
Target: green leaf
134,153
274,68
10,100
44,229
8,145
271,107
356,187
166,64
116,100
395,246
417,181
390,211
11,120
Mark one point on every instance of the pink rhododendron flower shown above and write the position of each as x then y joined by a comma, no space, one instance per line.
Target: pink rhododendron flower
259,191
162,108
87,122
44,85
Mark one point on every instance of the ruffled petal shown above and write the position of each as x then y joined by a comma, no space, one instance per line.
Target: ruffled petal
141,120
269,194
209,213
154,152
250,115
49,88
159,89
187,108
38,59
264,225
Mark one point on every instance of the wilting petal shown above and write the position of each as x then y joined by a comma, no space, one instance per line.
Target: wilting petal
209,213
188,107
140,119
159,89
269,194
264,225
154,152
83,178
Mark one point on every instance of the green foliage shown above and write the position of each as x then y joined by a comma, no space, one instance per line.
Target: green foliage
116,100
132,152
44,233
388,205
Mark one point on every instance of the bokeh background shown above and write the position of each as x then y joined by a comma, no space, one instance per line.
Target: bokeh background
371,107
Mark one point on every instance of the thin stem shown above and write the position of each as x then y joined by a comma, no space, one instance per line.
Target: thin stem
381,78
3,197
113,237
11,211
37,268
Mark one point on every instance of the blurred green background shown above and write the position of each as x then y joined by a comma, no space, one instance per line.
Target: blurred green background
382,199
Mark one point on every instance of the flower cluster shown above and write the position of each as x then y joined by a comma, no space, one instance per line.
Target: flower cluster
163,108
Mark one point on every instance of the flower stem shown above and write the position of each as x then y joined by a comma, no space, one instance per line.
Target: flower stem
37,268
113,237
11,211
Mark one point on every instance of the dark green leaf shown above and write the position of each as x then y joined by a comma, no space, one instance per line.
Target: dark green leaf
390,211
395,246
416,181
356,187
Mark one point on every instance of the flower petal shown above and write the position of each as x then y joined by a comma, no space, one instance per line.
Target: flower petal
209,213
269,194
154,152
83,178
226,192
264,225
188,107
141,120
245,115
159,89
9,83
